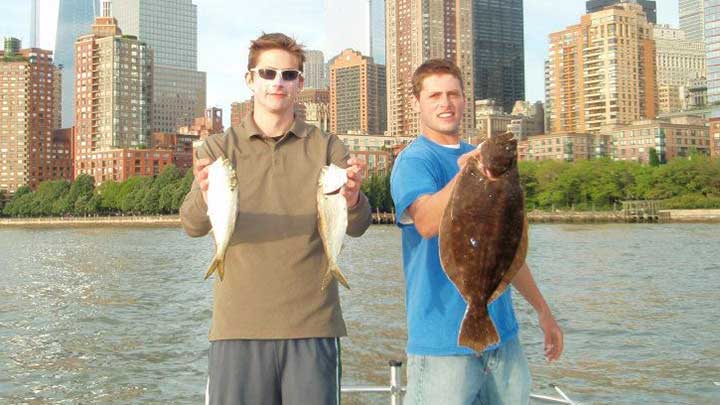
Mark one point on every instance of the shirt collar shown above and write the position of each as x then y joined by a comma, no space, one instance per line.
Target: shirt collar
299,128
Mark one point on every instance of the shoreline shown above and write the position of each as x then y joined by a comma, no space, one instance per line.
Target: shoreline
562,217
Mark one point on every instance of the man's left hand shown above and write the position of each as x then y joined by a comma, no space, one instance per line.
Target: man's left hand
553,336
351,190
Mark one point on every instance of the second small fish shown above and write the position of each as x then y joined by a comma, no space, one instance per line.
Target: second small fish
332,220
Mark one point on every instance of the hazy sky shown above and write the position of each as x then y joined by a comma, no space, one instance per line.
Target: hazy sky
225,28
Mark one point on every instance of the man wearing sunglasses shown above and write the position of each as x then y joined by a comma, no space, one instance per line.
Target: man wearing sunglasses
275,333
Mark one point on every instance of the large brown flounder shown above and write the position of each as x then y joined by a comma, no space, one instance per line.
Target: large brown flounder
483,235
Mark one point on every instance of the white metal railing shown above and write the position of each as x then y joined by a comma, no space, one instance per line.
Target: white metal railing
396,389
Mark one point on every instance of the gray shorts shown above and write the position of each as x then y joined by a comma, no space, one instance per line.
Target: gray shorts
268,372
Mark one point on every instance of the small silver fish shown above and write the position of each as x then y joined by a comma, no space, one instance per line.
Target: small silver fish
332,219
222,198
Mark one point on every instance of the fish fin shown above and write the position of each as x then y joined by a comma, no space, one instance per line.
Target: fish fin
213,266
221,268
498,291
334,271
477,330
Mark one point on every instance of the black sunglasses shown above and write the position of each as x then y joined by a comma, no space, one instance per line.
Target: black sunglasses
287,75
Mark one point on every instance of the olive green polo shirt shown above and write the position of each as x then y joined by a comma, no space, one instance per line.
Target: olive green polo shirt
275,261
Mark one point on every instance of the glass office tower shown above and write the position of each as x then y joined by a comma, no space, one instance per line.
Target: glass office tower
377,31
498,51
75,18
169,28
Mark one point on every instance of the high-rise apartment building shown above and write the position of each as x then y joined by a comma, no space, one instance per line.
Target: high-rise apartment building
169,28
498,51
649,7
314,70
114,95
75,18
27,116
377,30
417,31
678,59
357,94
602,71
692,19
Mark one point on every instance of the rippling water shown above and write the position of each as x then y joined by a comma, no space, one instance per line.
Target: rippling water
122,314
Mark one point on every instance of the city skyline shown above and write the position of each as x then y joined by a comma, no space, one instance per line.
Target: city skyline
222,42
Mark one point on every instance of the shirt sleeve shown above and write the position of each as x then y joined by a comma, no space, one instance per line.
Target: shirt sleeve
411,178
359,216
193,211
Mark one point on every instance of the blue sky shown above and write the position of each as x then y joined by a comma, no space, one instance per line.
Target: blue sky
225,28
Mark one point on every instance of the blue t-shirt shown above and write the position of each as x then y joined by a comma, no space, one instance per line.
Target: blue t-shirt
434,307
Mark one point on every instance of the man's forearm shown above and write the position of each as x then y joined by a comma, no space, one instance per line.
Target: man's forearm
525,284
359,217
193,213
427,211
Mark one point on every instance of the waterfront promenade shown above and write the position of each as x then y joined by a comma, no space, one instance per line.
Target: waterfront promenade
675,216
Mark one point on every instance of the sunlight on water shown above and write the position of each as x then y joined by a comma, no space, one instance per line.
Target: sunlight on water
122,314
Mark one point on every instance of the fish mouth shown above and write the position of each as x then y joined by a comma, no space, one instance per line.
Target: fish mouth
333,192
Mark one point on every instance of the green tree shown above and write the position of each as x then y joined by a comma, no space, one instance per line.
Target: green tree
2,201
654,157
132,193
46,196
108,193
19,202
81,188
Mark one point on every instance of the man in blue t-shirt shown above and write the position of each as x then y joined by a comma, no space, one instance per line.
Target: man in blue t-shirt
440,371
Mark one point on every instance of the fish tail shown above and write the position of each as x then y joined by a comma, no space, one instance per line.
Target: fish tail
477,330
334,271
217,264
221,268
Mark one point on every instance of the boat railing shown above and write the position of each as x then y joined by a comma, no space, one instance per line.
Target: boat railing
396,389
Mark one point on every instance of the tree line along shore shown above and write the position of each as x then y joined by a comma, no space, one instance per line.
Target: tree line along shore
594,187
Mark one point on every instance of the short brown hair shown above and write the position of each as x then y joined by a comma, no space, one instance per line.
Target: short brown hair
435,67
275,40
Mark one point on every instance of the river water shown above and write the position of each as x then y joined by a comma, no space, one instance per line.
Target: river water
120,315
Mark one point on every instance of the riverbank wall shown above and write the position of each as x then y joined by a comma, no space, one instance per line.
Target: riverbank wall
675,216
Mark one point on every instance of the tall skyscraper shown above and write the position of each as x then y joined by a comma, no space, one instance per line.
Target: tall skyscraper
692,19
712,49
678,59
75,18
649,7
169,28
314,70
499,54
357,94
421,30
377,30
27,80
602,71
114,94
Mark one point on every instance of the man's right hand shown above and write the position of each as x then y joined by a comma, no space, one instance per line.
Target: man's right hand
200,170
462,160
